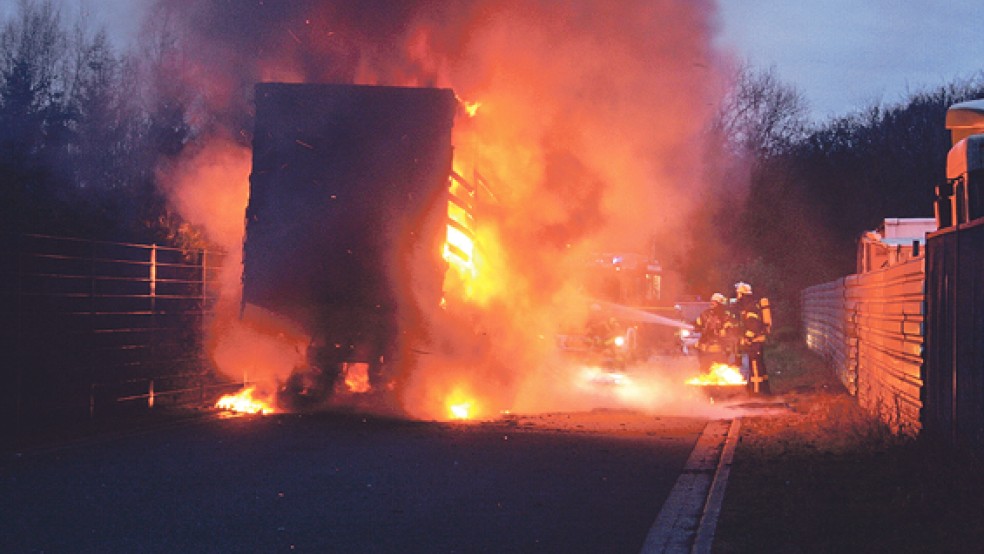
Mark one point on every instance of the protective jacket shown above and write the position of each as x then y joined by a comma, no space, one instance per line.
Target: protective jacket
753,330
753,327
713,324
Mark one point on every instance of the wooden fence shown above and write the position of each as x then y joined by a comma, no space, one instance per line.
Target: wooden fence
95,326
869,327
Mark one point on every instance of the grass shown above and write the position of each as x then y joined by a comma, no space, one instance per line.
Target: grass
827,477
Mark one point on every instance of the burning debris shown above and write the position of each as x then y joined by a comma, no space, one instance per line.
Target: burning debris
719,375
355,377
244,403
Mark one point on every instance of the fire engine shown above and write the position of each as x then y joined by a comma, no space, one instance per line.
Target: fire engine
628,317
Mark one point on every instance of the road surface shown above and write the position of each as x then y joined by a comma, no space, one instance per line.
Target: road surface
593,479
578,482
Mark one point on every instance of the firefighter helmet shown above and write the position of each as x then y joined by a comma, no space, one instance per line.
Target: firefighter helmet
742,287
718,298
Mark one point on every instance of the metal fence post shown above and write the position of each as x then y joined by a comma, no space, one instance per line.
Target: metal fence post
153,301
204,310
153,277
202,328
90,328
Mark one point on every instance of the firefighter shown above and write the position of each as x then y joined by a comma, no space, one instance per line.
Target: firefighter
608,339
713,324
600,327
753,326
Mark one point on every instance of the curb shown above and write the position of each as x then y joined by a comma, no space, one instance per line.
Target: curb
715,498
688,518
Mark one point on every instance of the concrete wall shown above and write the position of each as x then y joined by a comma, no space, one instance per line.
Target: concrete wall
869,327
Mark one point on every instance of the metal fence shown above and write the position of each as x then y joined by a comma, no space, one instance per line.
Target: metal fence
869,327
94,326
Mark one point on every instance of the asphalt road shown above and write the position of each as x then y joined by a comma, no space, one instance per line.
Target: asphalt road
582,482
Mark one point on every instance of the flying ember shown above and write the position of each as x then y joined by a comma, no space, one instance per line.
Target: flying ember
472,108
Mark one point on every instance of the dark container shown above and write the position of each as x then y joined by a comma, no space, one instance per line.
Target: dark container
953,371
347,212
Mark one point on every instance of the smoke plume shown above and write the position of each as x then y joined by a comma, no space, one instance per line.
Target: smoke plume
589,134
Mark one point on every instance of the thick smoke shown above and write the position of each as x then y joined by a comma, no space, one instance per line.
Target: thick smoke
208,186
589,134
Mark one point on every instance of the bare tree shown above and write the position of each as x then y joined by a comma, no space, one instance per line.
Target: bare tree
32,54
74,154
164,92
34,120
761,115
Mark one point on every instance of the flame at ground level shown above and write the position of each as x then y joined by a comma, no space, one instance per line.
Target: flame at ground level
243,402
460,411
719,374
461,405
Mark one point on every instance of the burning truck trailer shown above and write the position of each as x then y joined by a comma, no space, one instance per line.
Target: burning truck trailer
346,227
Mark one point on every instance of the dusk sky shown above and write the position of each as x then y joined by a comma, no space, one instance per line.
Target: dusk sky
846,54
842,54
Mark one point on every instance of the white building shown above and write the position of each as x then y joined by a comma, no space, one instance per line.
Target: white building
895,241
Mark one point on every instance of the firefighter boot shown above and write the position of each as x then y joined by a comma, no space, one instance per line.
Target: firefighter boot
758,380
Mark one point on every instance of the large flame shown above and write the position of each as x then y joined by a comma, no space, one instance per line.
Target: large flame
459,249
587,140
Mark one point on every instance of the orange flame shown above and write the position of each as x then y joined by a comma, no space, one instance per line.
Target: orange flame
244,403
356,377
719,374
460,411
459,248
580,159
461,405
471,108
